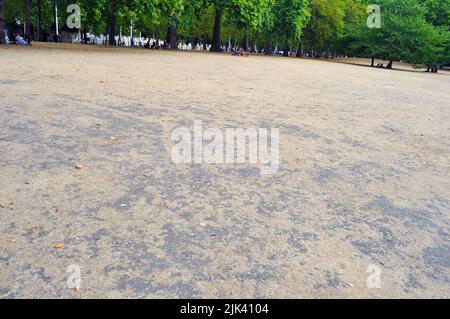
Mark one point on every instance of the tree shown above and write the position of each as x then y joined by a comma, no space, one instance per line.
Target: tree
219,8
39,20
28,29
2,32
249,15
195,23
437,12
113,8
92,19
432,52
246,15
329,20
216,43
405,35
172,11
291,16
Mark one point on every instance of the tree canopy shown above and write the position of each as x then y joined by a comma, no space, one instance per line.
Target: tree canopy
405,35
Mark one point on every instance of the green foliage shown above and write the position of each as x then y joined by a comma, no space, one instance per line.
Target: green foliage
405,35
290,17
250,13
438,12
329,20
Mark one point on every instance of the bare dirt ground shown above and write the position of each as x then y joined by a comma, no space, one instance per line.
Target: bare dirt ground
364,180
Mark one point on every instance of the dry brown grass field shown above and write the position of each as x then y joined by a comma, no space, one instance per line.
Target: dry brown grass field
364,178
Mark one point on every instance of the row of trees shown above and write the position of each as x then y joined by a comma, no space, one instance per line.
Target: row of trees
416,31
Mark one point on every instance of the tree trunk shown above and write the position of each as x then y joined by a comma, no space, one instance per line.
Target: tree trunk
373,62
245,40
299,52
39,8
301,49
2,32
269,47
112,23
217,31
28,30
389,66
85,41
171,38
286,49
55,23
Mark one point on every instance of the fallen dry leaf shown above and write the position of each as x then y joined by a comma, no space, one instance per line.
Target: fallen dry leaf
78,167
33,227
56,210
112,138
77,289
203,224
59,246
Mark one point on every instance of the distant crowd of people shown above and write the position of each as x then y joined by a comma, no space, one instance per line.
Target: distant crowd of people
240,52
156,44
